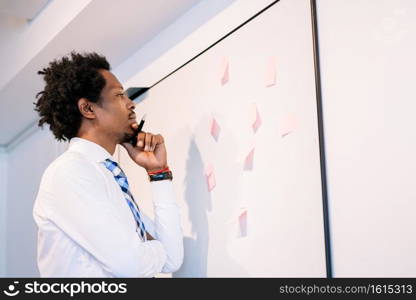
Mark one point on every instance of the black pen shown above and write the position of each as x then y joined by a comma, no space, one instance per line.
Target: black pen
133,140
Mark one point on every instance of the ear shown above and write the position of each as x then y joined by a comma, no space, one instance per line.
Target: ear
86,108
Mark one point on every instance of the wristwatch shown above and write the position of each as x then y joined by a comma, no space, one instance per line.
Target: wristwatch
161,176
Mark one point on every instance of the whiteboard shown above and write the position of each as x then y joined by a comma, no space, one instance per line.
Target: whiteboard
369,116
263,219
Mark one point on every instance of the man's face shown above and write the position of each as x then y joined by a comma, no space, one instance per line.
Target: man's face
115,114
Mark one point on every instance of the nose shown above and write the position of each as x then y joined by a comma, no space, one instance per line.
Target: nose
131,104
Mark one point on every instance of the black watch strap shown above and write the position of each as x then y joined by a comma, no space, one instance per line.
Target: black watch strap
161,176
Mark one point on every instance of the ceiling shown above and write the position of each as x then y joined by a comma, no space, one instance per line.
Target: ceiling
25,9
36,31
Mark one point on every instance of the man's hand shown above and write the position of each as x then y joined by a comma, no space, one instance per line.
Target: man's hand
149,153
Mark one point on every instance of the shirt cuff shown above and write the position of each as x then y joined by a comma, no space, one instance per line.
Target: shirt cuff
163,192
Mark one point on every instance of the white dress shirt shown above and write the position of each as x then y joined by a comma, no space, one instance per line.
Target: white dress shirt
86,228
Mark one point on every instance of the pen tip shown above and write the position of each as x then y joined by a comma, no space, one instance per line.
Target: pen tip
144,117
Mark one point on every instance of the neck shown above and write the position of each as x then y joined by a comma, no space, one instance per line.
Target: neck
104,141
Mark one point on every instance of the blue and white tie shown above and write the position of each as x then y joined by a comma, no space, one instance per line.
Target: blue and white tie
121,179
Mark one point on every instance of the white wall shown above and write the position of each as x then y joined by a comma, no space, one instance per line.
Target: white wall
185,38
26,163
3,207
284,207
367,69
368,65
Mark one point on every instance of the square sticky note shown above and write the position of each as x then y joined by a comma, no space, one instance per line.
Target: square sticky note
210,177
288,124
224,71
257,121
215,129
242,220
248,162
270,79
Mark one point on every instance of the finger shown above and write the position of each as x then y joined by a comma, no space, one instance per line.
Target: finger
140,139
160,139
147,141
155,141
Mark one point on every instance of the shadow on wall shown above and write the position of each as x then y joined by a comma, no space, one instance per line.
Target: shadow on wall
212,234
198,200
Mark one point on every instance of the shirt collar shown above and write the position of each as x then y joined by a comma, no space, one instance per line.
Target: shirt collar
92,151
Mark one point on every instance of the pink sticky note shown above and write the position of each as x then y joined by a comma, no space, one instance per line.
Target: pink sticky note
209,169
288,125
270,72
211,182
209,173
215,129
257,121
224,71
248,163
242,220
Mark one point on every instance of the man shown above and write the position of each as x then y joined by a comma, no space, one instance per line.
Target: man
89,223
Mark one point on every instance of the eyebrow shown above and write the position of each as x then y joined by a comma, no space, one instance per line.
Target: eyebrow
118,87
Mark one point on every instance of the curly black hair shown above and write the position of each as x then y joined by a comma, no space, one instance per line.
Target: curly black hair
68,79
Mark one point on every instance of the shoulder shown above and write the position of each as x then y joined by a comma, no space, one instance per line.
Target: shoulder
71,166
71,182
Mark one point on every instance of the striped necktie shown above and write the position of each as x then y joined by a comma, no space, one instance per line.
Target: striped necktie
121,179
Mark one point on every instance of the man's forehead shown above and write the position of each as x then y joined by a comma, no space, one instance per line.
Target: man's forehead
111,80
116,86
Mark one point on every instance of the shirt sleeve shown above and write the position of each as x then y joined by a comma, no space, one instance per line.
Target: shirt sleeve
76,201
167,224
